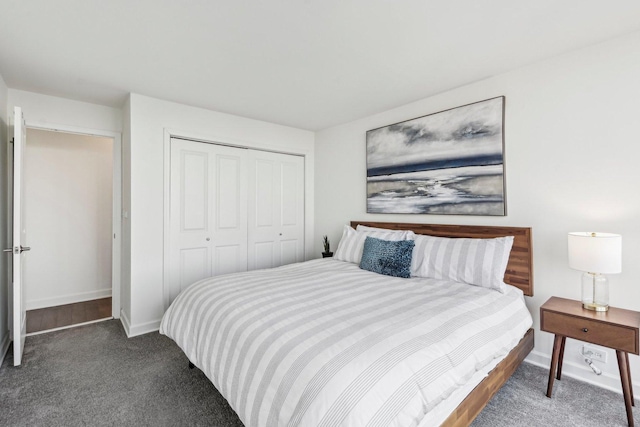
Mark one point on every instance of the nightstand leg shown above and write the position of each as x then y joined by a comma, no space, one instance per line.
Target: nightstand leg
626,356
561,357
626,386
557,343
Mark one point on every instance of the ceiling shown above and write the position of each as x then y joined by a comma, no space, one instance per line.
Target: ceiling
310,64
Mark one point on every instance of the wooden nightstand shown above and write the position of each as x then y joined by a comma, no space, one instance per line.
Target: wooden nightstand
616,329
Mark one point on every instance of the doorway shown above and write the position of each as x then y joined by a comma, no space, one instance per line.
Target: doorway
72,203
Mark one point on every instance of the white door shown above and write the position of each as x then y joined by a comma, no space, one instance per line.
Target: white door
19,318
208,212
276,213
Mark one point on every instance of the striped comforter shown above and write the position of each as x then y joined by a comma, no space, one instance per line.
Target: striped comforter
324,343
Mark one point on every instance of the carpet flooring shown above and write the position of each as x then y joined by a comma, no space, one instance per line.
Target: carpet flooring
94,376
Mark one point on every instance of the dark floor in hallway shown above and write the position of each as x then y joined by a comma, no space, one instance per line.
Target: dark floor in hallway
69,314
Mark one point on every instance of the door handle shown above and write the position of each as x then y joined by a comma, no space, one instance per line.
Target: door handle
16,250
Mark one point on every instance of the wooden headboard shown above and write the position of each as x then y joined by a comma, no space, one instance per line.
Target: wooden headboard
519,271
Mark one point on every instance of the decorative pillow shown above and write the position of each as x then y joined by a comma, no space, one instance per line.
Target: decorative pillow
352,242
391,258
479,262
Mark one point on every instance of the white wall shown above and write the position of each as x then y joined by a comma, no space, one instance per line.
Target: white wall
4,217
45,109
572,155
149,119
68,203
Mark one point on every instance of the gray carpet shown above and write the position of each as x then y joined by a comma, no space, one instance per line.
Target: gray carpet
522,402
93,375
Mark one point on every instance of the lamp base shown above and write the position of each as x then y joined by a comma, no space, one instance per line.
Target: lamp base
595,307
595,292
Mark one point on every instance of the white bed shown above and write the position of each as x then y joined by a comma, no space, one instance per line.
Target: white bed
325,343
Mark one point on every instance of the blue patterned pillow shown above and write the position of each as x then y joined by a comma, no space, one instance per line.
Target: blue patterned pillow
391,258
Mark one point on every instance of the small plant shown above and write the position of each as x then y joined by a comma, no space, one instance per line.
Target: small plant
325,243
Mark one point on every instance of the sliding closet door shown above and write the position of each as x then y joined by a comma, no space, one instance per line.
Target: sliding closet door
276,210
208,215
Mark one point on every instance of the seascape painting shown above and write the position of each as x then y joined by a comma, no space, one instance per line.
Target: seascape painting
451,162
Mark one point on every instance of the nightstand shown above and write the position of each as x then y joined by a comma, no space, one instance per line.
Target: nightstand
616,329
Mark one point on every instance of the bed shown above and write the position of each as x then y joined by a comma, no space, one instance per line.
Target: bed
326,343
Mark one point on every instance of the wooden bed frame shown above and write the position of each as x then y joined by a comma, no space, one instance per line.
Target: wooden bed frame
519,273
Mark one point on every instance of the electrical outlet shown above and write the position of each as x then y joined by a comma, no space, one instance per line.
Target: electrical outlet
594,353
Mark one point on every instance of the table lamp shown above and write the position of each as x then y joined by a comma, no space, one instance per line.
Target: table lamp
595,254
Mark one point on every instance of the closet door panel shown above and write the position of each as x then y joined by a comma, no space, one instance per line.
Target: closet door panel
263,254
262,215
226,258
229,206
289,203
276,189
289,251
190,253
194,190
208,212
292,209
264,193
229,236
194,266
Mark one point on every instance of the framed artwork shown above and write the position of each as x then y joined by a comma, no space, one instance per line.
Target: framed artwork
450,163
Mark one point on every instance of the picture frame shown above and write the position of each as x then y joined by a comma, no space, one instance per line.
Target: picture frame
449,163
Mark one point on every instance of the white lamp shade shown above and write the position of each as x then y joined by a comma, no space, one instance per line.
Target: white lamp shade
595,252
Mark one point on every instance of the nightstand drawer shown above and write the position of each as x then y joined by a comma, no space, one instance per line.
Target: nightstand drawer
593,331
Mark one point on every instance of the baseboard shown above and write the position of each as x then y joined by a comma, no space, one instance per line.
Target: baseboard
142,328
68,299
125,323
580,373
4,346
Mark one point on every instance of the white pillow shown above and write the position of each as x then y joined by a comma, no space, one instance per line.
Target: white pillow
479,262
352,242
368,229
